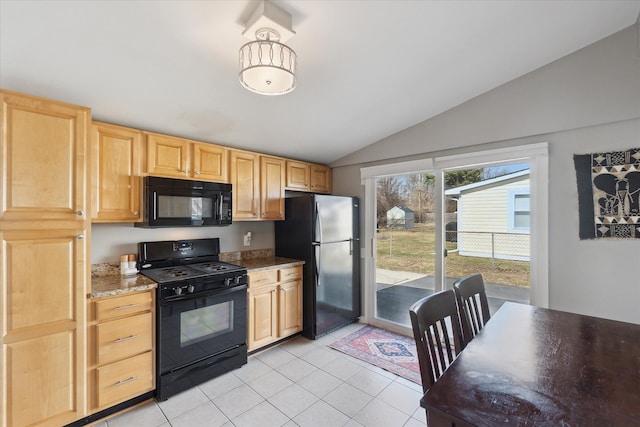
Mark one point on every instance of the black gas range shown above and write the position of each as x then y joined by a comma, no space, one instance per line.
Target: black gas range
201,312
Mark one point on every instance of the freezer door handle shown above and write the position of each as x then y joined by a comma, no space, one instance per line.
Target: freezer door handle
315,264
318,224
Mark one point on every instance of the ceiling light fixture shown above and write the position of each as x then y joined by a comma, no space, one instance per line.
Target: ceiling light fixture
267,65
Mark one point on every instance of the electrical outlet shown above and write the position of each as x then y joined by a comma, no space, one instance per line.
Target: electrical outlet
247,238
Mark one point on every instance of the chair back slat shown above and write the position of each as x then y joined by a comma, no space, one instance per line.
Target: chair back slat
473,304
435,321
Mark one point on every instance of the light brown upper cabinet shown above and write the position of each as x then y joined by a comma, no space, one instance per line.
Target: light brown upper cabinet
44,221
258,186
245,181
173,157
320,179
272,177
44,174
298,176
116,173
302,176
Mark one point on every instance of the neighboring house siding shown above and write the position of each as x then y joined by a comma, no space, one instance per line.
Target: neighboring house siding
484,225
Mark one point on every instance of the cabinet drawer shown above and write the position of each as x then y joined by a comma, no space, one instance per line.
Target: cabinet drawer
289,274
121,338
125,379
123,305
262,278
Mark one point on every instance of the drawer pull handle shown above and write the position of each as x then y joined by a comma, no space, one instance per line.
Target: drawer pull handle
130,337
292,274
124,307
123,382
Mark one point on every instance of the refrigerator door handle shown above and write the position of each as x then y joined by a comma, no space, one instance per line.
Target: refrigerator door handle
315,264
318,224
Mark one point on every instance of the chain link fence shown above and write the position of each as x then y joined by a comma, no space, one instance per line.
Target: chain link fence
490,244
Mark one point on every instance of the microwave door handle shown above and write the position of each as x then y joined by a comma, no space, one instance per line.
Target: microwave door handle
220,207
154,200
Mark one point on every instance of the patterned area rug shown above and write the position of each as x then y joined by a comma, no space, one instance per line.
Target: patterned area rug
392,352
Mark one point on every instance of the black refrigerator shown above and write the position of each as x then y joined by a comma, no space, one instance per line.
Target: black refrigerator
324,232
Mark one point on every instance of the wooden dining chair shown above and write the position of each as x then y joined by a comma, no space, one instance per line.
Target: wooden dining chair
435,323
473,305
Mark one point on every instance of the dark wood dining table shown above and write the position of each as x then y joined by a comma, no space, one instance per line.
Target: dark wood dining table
531,366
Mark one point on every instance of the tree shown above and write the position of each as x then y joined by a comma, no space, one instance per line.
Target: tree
457,178
420,189
388,194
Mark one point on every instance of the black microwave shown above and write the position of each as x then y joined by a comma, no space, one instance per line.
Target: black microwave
170,202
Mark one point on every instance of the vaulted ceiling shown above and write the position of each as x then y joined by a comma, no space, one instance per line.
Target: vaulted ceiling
367,69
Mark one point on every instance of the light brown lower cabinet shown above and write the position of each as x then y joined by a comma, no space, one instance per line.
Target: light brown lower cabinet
275,305
121,348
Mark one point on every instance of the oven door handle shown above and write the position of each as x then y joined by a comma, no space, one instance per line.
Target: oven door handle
213,292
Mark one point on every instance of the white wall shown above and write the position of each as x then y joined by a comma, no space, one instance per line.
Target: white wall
109,241
588,101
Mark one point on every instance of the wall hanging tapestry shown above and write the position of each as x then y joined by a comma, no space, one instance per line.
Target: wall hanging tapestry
392,352
609,194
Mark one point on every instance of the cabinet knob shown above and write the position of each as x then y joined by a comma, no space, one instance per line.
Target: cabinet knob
80,236
79,213
185,171
197,172
136,213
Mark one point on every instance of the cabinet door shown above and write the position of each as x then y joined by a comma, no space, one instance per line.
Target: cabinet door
290,308
320,179
43,322
298,175
245,178
44,172
272,180
210,162
263,317
116,156
167,156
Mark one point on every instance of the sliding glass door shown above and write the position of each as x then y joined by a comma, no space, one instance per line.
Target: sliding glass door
487,229
405,244
430,222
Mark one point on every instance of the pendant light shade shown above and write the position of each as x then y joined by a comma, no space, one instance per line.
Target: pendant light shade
268,67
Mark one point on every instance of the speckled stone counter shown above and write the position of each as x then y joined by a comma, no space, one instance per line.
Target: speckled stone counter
107,281
257,264
259,259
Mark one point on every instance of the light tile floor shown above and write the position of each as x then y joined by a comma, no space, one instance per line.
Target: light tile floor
298,383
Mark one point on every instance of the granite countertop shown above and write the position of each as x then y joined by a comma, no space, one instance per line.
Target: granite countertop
258,259
266,263
106,281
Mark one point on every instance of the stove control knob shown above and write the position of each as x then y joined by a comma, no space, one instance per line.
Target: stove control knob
237,280
191,288
227,281
178,291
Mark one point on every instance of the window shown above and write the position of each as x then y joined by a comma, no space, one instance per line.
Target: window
519,211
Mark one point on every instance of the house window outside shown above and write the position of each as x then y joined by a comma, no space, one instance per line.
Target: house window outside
519,211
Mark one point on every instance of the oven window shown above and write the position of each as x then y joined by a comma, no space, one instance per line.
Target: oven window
185,207
205,323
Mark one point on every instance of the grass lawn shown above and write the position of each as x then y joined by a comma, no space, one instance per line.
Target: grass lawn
414,250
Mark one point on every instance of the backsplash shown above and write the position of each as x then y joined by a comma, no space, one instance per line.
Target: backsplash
109,241
251,254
